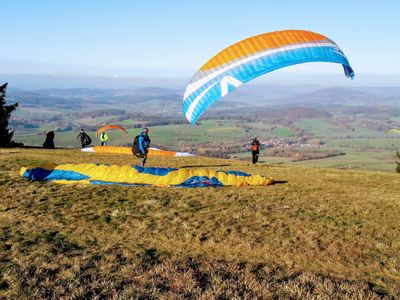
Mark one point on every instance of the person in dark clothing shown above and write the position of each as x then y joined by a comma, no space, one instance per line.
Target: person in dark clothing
49,142
141,145
84,138
255,149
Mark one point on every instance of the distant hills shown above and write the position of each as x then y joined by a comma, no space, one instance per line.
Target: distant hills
339,96
248,96
275,95
41,99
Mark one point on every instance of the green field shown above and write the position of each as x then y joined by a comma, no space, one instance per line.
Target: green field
36,112
171,135
282,132
378,143
321,128
373,160
383,161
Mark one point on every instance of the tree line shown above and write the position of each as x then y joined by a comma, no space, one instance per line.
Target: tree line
5,112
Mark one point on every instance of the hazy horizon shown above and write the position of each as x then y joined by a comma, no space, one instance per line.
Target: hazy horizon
30,81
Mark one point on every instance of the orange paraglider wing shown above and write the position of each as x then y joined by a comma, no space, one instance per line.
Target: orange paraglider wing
107,127
253,57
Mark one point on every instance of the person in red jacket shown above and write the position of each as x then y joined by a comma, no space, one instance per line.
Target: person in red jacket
255,149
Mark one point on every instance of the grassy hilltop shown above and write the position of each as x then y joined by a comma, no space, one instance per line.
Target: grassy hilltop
324,233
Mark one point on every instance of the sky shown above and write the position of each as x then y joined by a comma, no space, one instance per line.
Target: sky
173,38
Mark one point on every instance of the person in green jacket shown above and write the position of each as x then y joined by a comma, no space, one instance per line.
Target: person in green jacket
103,138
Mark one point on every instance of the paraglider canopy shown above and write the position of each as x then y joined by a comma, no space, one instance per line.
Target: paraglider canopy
253,57
107,127
393,130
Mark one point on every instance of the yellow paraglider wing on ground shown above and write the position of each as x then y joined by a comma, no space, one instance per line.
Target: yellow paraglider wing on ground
134,176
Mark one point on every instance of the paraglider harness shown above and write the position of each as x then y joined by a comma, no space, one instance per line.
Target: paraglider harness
255,147
136,147
255,150
85,139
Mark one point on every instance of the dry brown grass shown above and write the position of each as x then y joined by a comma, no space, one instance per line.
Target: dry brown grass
323,234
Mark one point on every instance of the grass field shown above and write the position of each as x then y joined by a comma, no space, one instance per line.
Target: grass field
382,160
321,128
282,132
319,233
171,135
36,112
381,143
378,160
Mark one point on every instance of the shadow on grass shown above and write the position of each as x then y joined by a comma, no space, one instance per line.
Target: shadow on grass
280,181
204,166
